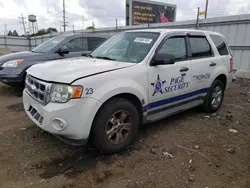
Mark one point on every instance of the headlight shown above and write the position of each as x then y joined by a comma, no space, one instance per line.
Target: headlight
62,93
13,63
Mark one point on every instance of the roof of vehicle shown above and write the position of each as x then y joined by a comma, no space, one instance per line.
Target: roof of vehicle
102,35
165,31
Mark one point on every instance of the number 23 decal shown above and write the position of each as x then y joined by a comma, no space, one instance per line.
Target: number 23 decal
89,91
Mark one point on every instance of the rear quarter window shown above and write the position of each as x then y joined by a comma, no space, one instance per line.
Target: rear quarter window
220,44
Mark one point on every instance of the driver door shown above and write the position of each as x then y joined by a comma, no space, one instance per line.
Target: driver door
170,84
75,47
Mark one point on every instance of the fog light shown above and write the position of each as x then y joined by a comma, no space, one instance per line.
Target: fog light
59,124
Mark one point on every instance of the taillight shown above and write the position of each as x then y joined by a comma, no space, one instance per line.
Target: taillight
231,64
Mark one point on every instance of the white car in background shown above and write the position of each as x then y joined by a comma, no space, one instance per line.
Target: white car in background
133,78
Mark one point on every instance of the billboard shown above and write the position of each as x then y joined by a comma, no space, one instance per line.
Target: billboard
142,12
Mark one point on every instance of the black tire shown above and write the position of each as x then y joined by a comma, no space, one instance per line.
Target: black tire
102,120
207,105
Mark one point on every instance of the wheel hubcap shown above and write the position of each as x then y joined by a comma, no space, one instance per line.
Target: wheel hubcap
119,127
216,97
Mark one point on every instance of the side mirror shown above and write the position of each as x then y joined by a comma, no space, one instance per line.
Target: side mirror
62,51
162,59
86,53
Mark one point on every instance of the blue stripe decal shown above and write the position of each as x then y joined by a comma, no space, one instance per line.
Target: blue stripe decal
174,99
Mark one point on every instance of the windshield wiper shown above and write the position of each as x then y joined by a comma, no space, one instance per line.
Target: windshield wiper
104,57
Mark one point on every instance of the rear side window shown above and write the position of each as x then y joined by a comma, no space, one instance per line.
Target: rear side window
200,47
220,44
95,42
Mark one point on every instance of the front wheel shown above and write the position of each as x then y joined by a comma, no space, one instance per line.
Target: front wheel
214,97
115,126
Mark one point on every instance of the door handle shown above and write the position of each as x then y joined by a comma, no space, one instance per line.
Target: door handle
184,69
212,64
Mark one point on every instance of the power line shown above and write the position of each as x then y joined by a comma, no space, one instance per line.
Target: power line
23,22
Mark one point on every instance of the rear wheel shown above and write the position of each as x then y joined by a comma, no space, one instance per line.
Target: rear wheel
115,125
214,97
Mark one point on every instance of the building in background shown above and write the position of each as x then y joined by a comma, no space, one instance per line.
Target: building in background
143,11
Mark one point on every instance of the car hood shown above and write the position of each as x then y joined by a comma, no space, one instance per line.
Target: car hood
68,70
18,55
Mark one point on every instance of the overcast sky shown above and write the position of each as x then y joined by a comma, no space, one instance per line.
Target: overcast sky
102,12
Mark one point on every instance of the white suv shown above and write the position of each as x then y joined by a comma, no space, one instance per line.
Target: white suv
133,78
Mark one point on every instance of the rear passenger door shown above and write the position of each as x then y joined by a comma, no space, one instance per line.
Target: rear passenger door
203,63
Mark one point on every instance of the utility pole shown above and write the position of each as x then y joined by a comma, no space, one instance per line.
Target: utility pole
5,34
73,29
23,22
82,23
93,26
206,8
5,26
36,26
116,25
64,22
198,17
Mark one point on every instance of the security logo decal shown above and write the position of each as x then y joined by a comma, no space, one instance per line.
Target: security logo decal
175,84
158,85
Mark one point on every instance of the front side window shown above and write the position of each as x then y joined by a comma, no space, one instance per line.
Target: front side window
176,47
76,45
127,47
49,45
200,47
220,44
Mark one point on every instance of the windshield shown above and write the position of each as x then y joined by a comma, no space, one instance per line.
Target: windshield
126,47
48,45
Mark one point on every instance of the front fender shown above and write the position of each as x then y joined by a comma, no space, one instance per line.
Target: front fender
120,86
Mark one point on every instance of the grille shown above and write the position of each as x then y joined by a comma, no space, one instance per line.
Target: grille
35,114
39,90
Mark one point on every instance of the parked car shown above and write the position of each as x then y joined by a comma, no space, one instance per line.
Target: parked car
13,66
105,97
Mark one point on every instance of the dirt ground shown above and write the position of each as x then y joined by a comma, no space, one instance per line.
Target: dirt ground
205,153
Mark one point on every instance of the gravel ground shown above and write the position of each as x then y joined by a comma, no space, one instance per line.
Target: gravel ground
192,149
